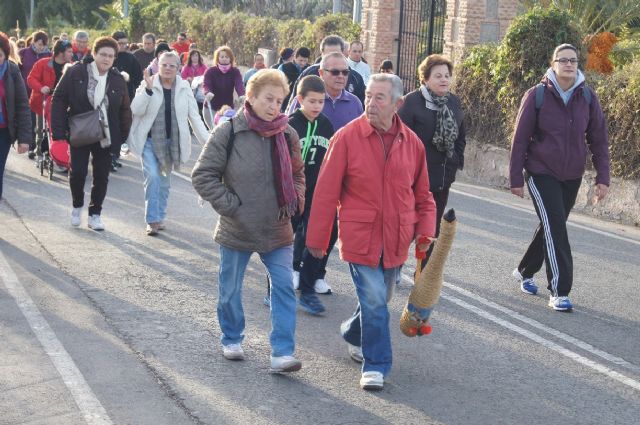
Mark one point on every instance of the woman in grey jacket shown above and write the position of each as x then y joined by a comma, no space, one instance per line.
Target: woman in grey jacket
251,172
15,116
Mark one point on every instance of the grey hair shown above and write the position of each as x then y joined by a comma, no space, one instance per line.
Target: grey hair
397,89
337,55
80,35
149,36
173,55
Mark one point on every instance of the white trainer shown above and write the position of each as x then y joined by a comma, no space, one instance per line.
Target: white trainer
355,352
283,364
372,381
124,149
322,287
75,216
233,352
95,222
296,279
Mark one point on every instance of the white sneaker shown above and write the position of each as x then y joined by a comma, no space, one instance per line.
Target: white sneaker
285,364
124,149
60,169
296,279
75,216
95,222
322,287
233,352
372,381
355,352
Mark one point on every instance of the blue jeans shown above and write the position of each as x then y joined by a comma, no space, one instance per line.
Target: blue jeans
278,262
156,186
5,146
368,327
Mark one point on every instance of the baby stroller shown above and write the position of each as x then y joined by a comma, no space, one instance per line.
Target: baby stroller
58,154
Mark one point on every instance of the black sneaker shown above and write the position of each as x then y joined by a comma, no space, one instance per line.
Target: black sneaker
114,166
311,304
31,154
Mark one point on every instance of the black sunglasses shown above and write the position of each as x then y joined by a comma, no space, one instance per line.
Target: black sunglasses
336,72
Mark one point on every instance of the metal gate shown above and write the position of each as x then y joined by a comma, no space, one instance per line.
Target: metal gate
421,34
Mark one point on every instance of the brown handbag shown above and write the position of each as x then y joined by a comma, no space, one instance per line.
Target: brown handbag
88,127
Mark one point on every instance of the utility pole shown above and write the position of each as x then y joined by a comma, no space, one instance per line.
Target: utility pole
357,11
31,14
125,8
337,6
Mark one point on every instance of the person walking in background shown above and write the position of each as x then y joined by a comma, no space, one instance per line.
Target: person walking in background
386,67
80,45
285,55
43,79
255,204
85,87
221,79
194,67
293,69
162,111
146,54
436,116
356,62
558,120
15,119
181,45
381,212
258,64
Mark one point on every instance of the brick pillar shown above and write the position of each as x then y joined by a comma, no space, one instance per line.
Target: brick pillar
380,26
471,22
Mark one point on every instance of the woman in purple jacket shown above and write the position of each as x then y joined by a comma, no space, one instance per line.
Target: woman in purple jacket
221,79
558,120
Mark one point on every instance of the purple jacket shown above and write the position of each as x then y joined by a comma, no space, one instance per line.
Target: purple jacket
562,136
222,85
346,108
29,57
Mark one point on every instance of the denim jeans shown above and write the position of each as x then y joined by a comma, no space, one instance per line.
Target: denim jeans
5,146
278,262
156,186
368,327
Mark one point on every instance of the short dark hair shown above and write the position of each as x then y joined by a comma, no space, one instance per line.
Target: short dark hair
332,40
310,83
182,34
117,35
40,36
104,42
149,36
60,46
425,68
303,52
565,46
386,64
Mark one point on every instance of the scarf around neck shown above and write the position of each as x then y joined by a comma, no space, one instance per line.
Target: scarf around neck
224,68
280,159
97,92
446,132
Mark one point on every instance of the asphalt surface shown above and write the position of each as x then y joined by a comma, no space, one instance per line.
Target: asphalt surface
118,327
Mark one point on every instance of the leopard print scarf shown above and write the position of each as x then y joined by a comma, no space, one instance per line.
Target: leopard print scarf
446,132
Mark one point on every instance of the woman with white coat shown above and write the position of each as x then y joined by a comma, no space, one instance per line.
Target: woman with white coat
163,105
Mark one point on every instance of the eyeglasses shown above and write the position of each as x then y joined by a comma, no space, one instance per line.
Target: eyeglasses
565,61
336,72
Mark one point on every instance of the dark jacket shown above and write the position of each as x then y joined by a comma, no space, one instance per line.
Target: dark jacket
355,83
128,63
558,148
318,147
222,85
18,113
70,98
292,72
414,113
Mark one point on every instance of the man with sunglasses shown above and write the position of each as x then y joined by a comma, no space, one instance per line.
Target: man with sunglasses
558,120
330,44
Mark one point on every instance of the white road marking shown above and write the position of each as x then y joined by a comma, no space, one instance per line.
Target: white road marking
87,402
532,212
540,340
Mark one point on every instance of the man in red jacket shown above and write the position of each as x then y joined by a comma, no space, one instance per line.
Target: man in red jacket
375,173
42,79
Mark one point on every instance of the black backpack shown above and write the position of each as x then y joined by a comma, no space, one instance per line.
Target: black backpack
586,92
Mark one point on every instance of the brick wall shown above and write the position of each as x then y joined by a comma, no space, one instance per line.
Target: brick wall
380,24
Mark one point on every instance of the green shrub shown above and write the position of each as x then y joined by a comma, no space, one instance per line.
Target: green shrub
485,120
619,94
523,56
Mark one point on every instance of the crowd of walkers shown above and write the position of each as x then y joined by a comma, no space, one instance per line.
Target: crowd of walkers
298,158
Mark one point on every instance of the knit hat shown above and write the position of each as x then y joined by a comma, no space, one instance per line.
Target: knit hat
161,48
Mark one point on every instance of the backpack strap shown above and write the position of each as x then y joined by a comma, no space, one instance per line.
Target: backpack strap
539,96
586,92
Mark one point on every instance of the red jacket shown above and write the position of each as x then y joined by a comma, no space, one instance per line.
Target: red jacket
42,74
382,204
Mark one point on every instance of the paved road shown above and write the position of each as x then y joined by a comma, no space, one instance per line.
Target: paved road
117,327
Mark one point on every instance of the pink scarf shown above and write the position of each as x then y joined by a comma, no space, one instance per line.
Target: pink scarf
224,68
280,159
